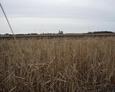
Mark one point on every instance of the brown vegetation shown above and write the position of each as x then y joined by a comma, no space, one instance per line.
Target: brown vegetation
57,65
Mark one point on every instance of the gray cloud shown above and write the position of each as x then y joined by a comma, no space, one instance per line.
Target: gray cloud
79,14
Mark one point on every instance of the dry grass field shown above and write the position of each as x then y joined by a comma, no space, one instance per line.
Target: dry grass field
57,65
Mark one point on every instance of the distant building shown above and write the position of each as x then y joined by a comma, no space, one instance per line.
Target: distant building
60,32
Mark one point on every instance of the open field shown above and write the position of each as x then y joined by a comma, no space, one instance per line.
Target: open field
51,35
57,65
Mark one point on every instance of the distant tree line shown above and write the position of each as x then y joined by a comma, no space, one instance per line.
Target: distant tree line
51,34
100,32
30,34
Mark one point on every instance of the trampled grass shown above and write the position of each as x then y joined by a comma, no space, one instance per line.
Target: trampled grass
57,65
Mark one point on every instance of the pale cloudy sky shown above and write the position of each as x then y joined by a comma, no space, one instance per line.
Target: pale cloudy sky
38,16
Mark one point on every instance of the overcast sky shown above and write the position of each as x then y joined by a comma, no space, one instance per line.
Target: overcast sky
38,16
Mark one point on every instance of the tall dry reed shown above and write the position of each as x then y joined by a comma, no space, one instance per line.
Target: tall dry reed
57,65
